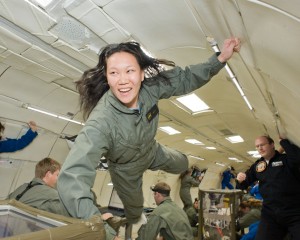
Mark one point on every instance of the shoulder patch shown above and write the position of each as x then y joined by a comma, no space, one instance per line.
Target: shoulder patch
261,166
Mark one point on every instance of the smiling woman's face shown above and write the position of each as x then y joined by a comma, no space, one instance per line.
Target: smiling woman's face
124,77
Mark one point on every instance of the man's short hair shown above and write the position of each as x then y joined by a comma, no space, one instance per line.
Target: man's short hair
269,139
45,165
162,188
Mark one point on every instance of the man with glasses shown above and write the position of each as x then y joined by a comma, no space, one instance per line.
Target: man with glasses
279,179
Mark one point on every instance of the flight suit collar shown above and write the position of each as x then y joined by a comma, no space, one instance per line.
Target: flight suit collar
121,107
272,159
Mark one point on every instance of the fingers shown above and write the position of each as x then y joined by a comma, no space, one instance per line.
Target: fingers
230,46
106,216
32,125
237,45
281,150
241,177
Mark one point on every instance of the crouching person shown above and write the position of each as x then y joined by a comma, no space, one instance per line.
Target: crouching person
167,221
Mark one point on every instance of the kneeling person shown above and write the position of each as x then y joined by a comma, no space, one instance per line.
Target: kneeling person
167,220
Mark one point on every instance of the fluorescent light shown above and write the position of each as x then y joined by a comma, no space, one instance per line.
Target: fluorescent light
69,120
235,139
210,148
198,158
193,103
233,78
41,111
27,106
43,3
235,159
220,164
247,102
254,154
110,184
169,130
194,141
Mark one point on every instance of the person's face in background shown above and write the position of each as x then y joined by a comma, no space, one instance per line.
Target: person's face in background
245,210
51,178
264,148
124,77
156,197
196,204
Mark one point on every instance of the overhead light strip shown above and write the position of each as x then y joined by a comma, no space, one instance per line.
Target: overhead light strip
235,139
27,106
169,130
198,158
220,164
233,78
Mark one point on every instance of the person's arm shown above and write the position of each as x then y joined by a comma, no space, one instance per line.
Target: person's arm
55,206
244,180
194,182
192,77
151,229
230,46
78,172
12,145
232,175
253,191
32,126
291,150
252,232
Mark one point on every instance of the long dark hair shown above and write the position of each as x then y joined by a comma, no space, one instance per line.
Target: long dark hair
93,83
2,127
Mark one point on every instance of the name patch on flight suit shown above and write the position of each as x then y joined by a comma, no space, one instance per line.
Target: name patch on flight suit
152,113
261,166
277,164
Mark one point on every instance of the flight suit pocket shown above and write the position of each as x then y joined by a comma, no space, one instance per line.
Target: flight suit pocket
124,152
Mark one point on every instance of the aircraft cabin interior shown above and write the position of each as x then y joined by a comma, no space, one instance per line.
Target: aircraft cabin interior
46,46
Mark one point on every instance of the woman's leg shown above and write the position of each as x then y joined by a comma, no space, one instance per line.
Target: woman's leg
169,160
128,179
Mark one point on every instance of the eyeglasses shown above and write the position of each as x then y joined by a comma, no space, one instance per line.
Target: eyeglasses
261,145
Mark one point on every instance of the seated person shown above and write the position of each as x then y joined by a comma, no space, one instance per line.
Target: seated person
250,211
12,145
193,215
41,192
167,221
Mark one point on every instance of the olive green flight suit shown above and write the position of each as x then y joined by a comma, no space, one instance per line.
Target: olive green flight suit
168,220
126,138
41,197
185,190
